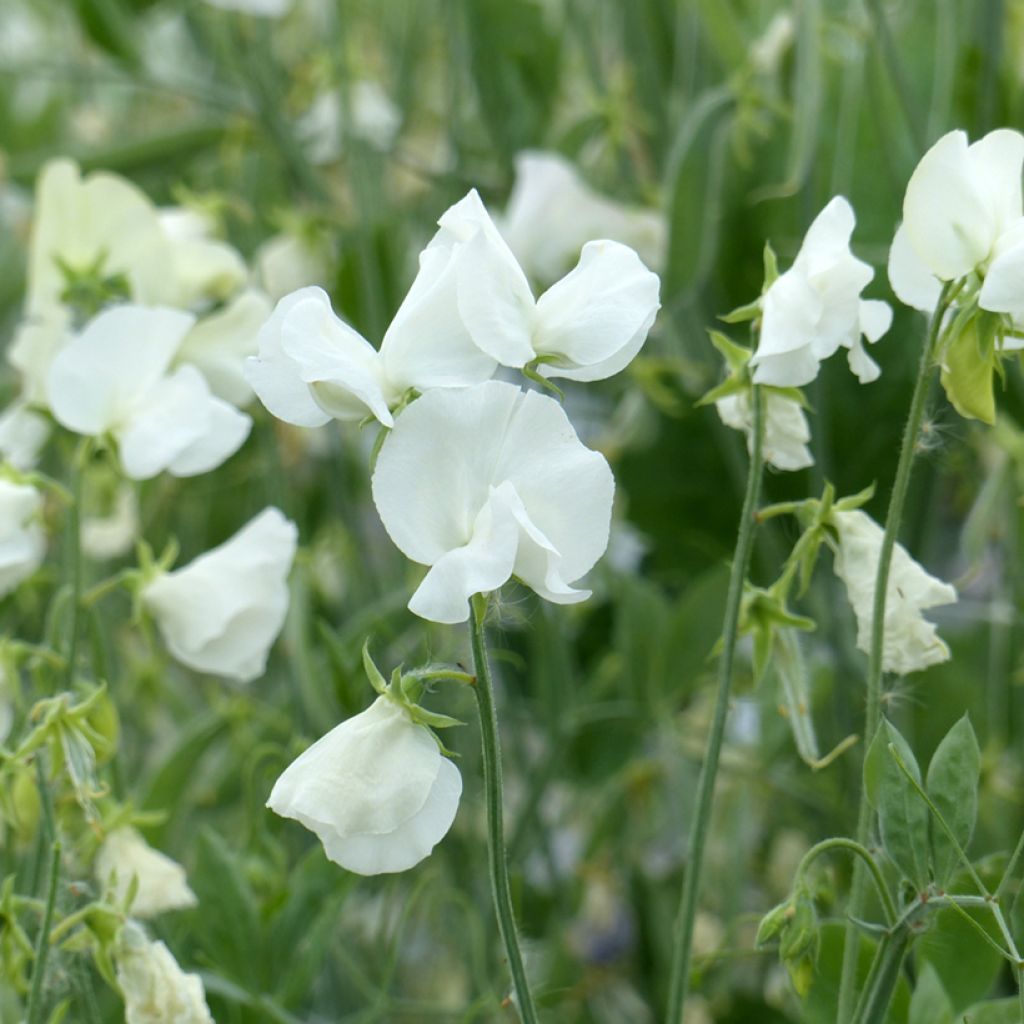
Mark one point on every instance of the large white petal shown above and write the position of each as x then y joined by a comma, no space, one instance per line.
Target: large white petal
996,162
913,282
948,220
99,378
226,431
790,311
1003,288
597,309
275,376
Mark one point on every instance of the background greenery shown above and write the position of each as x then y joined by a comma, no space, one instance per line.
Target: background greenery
603,706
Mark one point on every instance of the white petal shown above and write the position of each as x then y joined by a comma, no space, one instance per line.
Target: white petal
875,318
996,162
598,309
161,884
275,376
226,431
110,368
790,312
22,541
220,343
911,280
1003,288
23,433
947,219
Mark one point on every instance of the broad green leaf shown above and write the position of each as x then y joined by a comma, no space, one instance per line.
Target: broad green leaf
902,814
953,786
929,1004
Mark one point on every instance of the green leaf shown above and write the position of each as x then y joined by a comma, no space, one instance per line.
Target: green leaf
967,367
994,1011
929,1004
902,814
953,786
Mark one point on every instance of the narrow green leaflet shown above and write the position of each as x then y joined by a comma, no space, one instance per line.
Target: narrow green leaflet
929,1004
952,784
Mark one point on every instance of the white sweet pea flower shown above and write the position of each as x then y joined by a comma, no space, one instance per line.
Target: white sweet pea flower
910,642
962,215
815,308
160,882
222,612
22,540
113,534
155,989
23,433
37,340
376,790
113,377
786,431
287,262
552,212
587,326
371,116
485,482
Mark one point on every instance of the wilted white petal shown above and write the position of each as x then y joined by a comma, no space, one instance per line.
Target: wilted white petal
376,791
155,989
222,612
220,343
910,642
603,307
161,884
786,431
439,488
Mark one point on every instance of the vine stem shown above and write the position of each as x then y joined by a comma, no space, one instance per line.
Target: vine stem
500,889
683,951
35,999
79,462
901,483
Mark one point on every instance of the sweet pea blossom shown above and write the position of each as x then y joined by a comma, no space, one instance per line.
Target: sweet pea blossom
222,612
22,540
815,308
482,483
125,858
552,212
910,642
962,214
115,377
155,989
376,790
786,431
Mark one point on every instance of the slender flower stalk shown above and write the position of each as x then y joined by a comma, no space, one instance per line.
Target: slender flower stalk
79,463
35,999
495,822
683,951
894,516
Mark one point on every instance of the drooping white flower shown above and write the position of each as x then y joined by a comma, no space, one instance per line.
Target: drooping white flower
585,327
155,988
962,214
815,308
160,882
485,482
114,377
376,790
219,344
552,212
22,540
222,612
23,433
910,642
786,432
113,534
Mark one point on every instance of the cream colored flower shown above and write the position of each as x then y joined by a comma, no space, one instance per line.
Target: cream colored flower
160,882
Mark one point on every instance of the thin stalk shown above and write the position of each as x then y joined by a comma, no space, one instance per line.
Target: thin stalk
500,888
840,843
883,976
78,464
908,450
683,951
35,999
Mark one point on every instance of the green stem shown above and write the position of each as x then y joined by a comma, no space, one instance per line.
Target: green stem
81,457
500,889
883,976
35,999
841,843
908,450
683,951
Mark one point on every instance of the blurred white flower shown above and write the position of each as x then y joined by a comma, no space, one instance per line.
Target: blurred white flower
160,882
113,377
786,431
155,989
767,51
376,790
910,642
219,344
257,8
22,540
961,215
587,326
485,482
552,212
815,308
222,612
374,118
7,697
23,433
112,535
287,262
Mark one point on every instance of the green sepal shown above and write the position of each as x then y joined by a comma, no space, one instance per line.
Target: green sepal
433,719
969,361
742,314
377,681
736,356
771,266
